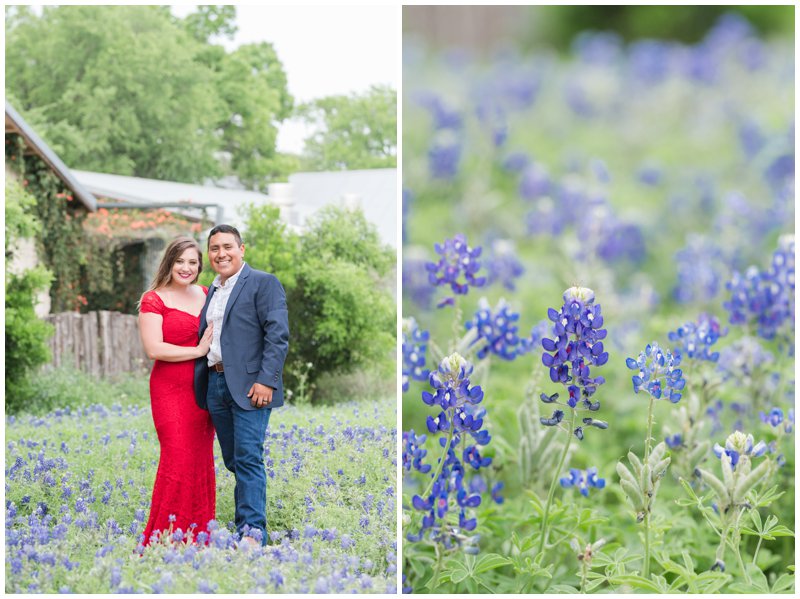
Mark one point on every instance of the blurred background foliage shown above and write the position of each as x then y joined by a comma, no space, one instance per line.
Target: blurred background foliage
550,28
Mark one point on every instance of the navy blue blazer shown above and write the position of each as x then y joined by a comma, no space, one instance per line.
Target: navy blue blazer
255,339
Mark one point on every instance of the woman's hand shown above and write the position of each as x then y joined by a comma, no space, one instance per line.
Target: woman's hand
205,341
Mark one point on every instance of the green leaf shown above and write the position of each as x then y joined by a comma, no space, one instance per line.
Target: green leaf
767,497
457,571
636,581
785,582
563,588
490,561
756,518
781,531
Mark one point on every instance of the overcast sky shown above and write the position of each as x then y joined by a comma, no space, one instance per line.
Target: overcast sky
325,50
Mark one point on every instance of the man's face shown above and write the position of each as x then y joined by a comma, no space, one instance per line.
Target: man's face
225,254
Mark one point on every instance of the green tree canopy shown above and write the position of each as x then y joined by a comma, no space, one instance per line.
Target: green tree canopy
354,132
131,90
338,282
26,335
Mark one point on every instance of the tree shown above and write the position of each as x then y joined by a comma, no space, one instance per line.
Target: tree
211,21
130,90
116,89
26,335
336,276
252,83
355,132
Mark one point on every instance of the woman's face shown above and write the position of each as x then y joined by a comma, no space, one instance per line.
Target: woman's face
186,267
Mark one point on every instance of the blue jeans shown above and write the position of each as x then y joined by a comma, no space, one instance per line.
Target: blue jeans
241,438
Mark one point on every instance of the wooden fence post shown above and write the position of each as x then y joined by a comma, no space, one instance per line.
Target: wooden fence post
102,344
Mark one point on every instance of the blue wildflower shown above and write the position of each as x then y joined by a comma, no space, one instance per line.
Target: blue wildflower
738,445
765,299
460,415
414,348
659,375
413,452
696,338
457,259
503,264
582,481
443,158
535,182
496,331
577,346
496,497
700,266
674,441
775,418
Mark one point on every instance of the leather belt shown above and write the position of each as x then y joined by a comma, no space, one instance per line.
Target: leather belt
218,367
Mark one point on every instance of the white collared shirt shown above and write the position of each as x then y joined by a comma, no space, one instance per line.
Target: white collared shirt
216,312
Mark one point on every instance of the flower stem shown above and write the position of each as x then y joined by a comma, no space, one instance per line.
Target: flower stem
736,541
647,442
440,465
457,315
557,472
583,576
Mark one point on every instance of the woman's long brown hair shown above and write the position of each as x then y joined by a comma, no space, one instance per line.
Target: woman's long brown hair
171,255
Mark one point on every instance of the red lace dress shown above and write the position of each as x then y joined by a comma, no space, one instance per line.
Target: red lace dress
185,489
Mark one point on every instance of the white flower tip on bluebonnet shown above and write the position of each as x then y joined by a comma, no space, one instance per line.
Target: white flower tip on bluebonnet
786,242
409,324
739,442
581,294
454,364
503,247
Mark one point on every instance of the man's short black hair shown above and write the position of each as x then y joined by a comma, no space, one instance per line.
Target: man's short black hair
225,229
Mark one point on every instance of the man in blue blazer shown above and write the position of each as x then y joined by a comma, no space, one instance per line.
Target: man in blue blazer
241,378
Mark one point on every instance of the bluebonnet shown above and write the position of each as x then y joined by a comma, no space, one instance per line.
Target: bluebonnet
459,402
516,161
496,330
765,299
649,174
659,375
503,264
457,260
545,218
413,452
614,240
493,116
416,283
414,349
674,441
743,358
534,341
444,117
696,338
460,417
443,159
738,445
582,480
699,264
535,182
577,346
775,418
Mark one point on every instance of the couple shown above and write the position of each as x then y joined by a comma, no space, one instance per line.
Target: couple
229,381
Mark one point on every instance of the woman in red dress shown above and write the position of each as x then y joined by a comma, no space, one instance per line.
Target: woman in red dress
184,494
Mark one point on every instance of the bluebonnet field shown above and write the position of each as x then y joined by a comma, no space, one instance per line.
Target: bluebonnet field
78,484
598,294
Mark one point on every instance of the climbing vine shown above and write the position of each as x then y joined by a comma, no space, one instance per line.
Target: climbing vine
95,257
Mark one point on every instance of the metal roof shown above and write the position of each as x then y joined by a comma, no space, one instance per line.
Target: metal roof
151,192
374,190
16,124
